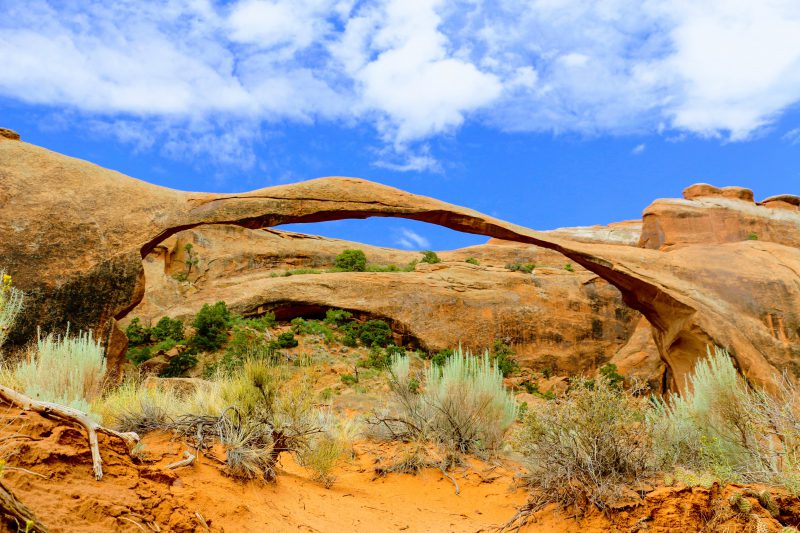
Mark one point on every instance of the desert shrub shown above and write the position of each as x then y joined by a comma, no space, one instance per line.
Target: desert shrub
382,268
375,333
166,328
260,323
136,333
410,266
463,405
440,357
179,365
337,317
349,379
301,271
586,446
285,340
351,261
211,327
527,268
503,357
569,268
246,344
139,355
11,300
429,256
301,326
752,236
723,426
471,261
381,358
68,370
165,345
614,378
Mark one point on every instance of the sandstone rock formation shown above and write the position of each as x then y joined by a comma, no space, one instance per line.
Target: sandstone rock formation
74,235
566,321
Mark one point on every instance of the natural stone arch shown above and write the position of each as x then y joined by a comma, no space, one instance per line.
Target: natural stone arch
86,268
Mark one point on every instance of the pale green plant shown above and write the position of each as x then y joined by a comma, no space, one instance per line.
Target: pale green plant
723,426
11,300
463,404
67,370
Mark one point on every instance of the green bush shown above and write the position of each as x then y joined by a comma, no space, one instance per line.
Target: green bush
285,340
375,333
138,355
179,364
211,327
136,333
503,357
472,261
752,236
381,358
527,268
351,261
337,317
349,379
301,326
569,268
429,256
167,328
614,378
165,345
258,323
440,357
382,268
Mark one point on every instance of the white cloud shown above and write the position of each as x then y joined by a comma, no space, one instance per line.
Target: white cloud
792,136
638,149
411,69
411,240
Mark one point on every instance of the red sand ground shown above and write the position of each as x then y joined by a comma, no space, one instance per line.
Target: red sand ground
141,495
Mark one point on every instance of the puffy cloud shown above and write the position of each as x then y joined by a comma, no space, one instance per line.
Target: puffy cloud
411,69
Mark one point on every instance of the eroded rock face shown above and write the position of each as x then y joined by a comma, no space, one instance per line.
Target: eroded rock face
73,235
708,214
567,321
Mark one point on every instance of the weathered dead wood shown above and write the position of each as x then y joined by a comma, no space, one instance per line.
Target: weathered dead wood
189,459
70,415
13,510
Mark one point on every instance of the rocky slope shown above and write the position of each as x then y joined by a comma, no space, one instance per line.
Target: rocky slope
74,234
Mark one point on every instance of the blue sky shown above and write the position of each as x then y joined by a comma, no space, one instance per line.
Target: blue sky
547,113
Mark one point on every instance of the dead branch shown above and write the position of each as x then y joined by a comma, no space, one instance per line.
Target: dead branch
451,478
70,415
15,511
189,459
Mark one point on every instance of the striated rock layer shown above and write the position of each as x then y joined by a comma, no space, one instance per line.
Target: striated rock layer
74,234
570,321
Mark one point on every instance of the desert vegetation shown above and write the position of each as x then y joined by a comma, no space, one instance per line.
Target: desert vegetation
260,398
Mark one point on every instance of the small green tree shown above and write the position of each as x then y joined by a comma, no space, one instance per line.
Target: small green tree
471,261
167,328
136,333
429,256
211,327
351,261
191,258
375,333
